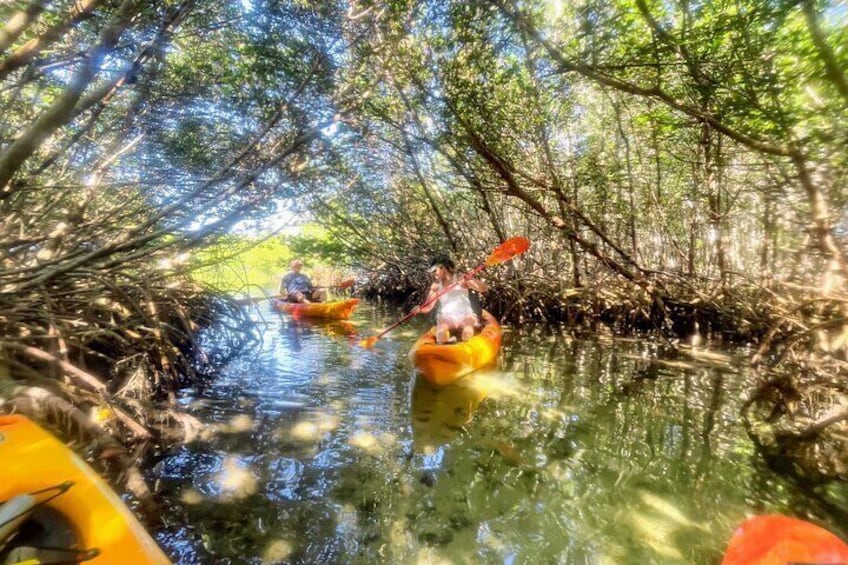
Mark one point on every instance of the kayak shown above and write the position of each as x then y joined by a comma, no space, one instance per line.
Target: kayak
777,539
438,412
335,310
444,364
55,508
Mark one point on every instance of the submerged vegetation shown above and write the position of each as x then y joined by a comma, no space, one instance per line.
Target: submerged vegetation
680,169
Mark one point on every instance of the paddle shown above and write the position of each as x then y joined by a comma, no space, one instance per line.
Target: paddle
505,251
347,283
775,538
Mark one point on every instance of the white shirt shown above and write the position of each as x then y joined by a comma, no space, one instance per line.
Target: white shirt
455,303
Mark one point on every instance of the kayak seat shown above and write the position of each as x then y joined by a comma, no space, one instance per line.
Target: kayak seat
41,535
13,513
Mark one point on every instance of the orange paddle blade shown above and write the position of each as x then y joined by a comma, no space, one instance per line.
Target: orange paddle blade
344,284
508,249
778,539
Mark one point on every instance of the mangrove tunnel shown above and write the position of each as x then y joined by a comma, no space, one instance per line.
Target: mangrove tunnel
679,170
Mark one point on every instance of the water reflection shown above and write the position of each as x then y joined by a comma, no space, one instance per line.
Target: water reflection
292,332
316,450
296,331
438,413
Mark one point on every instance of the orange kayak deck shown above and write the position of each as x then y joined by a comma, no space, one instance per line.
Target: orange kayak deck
335,310
444,364
33,460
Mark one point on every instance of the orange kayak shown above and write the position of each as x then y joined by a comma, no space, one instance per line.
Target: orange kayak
444,364
47,493
336,310
775,539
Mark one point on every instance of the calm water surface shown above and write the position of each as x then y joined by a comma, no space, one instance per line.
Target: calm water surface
314,450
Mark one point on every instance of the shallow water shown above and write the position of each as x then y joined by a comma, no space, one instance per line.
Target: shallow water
314,450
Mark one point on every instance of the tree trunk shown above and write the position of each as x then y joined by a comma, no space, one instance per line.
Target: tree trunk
428,193
715,214
769,236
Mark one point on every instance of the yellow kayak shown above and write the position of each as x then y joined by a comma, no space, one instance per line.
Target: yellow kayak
336,310
444,364
47,493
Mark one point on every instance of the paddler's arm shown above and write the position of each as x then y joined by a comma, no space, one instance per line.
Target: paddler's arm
428,305
476,285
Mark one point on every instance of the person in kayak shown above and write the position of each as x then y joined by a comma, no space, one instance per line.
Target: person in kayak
297,287
455,310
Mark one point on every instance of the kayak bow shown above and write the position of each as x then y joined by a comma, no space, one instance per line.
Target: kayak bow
444,364
49,490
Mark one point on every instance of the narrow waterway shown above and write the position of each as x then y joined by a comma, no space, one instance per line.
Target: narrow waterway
315,450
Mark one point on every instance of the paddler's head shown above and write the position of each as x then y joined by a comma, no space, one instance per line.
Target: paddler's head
442,262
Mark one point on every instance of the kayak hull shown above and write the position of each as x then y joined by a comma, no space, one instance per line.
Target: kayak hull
335,310
34,460
444,364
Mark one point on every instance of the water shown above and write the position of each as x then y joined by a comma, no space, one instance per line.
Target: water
314,450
